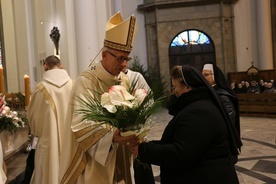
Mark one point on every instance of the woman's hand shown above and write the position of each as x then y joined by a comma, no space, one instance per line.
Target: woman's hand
134,150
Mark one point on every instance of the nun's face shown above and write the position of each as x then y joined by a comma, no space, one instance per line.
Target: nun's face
208,74
179,88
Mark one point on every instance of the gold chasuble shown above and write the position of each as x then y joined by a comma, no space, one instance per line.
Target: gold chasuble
88,153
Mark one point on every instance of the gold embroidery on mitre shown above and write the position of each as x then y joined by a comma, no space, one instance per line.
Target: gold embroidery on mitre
119,34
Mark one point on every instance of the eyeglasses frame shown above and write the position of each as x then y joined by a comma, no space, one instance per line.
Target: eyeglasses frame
120,59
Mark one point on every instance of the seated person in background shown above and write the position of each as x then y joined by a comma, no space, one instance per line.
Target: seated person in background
246,86
269,88
240,89
253,88
233,85
261,85
242,83
273,83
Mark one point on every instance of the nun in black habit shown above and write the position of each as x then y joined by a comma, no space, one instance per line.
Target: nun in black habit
198,143
225,92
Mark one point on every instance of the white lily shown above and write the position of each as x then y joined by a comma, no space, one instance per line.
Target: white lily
106,103
140,95
117,95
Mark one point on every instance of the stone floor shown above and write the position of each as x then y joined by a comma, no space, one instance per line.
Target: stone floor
257,162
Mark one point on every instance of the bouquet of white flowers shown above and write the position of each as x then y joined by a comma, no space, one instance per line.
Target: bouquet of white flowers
128,111
9,120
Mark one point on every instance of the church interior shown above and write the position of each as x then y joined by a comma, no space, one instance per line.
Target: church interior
238,36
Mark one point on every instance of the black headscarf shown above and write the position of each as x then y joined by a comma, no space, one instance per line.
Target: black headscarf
193,78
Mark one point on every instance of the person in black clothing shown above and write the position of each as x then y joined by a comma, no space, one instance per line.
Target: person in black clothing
26,176
171,104
239,89
253,88
261,85
216,78
228,97
197,144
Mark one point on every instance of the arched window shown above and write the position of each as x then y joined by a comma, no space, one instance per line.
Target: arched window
192,47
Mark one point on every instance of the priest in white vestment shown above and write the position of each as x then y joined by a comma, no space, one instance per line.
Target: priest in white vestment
46,115
93,154
137,78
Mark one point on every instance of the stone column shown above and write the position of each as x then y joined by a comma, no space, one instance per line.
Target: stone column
86,32
265,56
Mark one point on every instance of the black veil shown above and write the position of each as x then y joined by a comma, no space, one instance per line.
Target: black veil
193,78
222,83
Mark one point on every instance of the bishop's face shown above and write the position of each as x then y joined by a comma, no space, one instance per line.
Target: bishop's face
114,61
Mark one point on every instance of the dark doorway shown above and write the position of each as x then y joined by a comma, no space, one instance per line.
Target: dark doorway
191,47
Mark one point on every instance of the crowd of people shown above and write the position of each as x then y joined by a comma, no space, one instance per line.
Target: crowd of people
200,144
254,86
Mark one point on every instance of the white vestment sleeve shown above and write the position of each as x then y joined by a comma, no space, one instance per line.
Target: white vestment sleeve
103,150
34,143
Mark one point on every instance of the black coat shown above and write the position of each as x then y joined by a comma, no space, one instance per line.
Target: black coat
231,104
194,147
